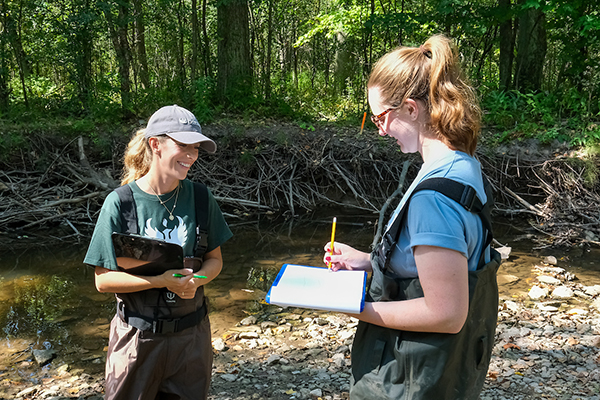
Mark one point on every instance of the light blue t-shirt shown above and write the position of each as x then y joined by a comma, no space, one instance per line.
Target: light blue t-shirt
433,219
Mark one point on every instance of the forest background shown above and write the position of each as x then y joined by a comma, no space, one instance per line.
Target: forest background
96,69
535,63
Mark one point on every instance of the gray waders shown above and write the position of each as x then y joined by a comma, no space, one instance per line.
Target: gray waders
394,364
160,345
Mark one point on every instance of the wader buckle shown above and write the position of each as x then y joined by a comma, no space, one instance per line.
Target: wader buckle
468,197
165,325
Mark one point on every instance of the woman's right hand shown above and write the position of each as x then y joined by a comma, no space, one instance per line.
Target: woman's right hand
346,257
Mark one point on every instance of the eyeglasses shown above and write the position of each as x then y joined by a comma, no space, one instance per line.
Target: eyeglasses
378,119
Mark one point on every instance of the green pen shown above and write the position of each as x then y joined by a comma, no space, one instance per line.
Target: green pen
195,276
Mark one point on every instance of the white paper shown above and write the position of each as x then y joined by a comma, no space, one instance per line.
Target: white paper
319,288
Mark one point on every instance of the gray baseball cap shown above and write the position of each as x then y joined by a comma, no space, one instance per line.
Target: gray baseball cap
178,124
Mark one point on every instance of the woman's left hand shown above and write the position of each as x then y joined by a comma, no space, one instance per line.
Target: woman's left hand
182,283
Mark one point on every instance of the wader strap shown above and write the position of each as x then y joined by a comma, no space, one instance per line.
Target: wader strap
201,204
464,195
159,325
129,222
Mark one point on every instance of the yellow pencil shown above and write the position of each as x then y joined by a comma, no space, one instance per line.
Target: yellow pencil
332,238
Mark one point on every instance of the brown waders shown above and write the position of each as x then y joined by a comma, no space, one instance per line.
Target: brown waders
166,356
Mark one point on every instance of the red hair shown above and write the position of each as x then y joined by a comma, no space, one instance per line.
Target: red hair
431,73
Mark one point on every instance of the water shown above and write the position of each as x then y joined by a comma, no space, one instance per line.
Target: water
48,298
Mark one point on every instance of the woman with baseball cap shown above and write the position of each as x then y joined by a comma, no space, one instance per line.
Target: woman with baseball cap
160,343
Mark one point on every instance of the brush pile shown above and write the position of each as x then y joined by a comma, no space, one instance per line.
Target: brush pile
285,170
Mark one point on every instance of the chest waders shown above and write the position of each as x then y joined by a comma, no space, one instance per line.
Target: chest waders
159,344
394,364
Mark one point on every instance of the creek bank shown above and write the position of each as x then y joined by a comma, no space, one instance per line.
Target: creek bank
547,347
268,167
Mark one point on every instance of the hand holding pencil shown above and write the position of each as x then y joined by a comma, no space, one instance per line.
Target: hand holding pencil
341,256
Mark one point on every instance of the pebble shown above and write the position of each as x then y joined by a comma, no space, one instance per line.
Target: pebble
536,293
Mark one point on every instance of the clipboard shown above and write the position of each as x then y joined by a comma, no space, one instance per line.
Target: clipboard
139,255
319,288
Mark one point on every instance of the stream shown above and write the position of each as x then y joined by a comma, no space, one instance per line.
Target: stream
48,299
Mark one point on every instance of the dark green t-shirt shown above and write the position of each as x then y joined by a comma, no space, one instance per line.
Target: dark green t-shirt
153,221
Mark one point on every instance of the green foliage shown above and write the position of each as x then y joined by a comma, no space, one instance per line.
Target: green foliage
204,96
71,66
306,126
346,20
545,116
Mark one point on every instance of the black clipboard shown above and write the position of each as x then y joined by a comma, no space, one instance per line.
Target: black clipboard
139,255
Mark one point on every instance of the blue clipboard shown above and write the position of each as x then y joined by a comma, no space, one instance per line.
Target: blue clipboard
318,288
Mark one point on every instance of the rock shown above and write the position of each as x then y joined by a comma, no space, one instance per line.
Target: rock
267,324
504,252
549,280
28,391
316,393
273,359
282,329
536,293
596,304
507,279
576,311
248,335
63,370
512,306
590,236
592,290
562,292
218,344
550,260
550,270
339,360
229,377
43,356
251,320
544,307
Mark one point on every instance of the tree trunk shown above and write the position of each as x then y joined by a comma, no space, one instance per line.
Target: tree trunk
118,34
234,75
195,43
206,44
531,50
140,43
576,52
507,45
267,63
82,50
13,34
4,72
343,64
180,47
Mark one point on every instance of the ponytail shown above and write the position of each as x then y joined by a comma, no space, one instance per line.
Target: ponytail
138,157
432,73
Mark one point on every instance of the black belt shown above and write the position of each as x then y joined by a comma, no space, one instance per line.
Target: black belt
161,325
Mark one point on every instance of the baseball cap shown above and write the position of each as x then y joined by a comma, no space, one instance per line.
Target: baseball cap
179,124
